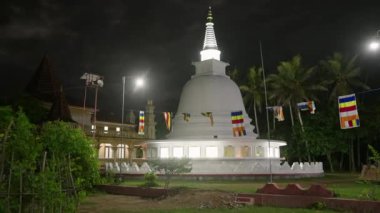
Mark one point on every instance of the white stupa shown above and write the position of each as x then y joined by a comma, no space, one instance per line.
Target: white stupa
211,125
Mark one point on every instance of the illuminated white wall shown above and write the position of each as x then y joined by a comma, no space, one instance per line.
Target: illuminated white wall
211,152
178,152
277,152
270,152
164,152
210,54
194,152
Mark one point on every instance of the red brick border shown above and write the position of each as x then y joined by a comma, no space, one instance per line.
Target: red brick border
291,201
296,189
295,196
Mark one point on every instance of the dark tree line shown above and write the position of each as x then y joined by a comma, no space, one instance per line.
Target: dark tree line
313,137
43,168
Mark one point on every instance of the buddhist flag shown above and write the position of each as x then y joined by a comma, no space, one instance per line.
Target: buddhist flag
348,112
237,120
307,106
168,119
209,115
141,123
186,117
278,113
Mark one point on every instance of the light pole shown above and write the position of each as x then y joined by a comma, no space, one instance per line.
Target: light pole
267,114
139,83
374,45
96,81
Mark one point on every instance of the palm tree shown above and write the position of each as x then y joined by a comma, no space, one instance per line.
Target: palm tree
343,75
344,78
292,84
253,92
235,75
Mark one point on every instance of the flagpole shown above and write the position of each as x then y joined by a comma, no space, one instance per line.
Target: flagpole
267,113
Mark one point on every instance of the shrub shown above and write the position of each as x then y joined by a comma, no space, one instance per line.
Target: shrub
170,167
150,180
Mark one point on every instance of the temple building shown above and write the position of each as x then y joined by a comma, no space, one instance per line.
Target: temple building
115,141
212,127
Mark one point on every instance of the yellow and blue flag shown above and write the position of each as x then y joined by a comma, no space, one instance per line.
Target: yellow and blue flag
348,112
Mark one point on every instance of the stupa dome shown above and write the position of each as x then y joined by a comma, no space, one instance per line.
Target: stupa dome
210,90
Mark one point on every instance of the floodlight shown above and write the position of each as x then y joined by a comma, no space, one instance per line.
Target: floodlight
139,82
374,45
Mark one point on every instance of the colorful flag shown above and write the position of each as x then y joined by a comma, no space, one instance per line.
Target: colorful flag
209,115
309,105
237,120
168,119
348,112
141,123
278,113
186,117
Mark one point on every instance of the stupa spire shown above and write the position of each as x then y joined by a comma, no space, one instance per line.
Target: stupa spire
210,47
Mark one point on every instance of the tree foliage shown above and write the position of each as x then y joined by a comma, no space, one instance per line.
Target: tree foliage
324,135
45,170
375,155
320,133
253,92
67,144
170,167
294,83
343,75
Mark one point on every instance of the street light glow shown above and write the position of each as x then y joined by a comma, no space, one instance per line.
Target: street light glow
374,46
139,82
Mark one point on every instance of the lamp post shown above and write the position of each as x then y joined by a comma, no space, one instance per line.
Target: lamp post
139,83
267,114
374,45
96,81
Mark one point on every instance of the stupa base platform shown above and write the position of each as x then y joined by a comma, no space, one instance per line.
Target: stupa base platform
227,168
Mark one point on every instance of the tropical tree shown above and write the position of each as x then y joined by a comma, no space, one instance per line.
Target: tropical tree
69,147
235,75
292,84
324,136
253,92
46,170
343,76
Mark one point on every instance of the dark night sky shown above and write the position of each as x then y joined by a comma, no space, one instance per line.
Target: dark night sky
161,38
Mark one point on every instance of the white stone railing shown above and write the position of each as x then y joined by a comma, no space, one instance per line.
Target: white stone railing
211,167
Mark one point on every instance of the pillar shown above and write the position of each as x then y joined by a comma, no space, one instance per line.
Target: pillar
150,124
114,150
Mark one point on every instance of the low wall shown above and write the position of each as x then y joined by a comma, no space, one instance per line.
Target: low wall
295,196
289,201
204,177
242,168
370,172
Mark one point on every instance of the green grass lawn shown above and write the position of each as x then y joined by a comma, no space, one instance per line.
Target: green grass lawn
345,185
247,209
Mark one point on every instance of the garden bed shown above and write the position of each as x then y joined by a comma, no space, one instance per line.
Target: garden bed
133,191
